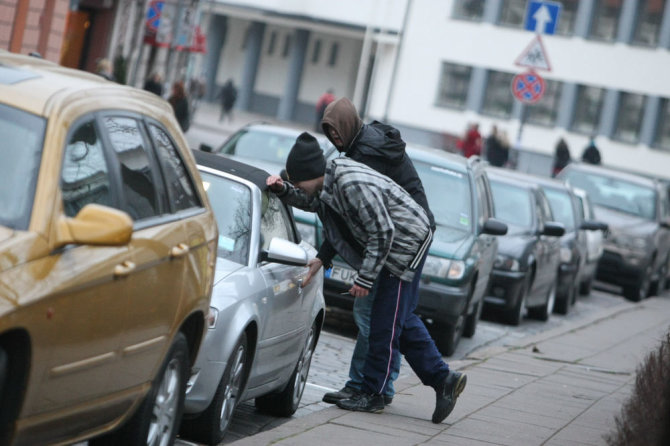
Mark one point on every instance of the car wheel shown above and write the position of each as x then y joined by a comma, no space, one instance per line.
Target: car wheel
210,426
562,306
515,315
285,403
447,336
472,319
585,287
659,285
157,419
641,290
543,312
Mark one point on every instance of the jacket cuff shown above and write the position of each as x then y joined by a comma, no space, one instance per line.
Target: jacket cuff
283,191
363,283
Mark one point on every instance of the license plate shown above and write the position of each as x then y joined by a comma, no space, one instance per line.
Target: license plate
343,275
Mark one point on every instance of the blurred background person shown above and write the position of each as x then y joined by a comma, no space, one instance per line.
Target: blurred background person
104,68
497,151
591,154
321,104
179,103
561,157
154,84
472,143
228,97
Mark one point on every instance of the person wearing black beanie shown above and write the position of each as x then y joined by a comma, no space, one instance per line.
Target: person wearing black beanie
306,160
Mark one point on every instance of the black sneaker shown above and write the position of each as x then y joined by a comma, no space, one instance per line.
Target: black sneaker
363,402
388,399
446,394
344,393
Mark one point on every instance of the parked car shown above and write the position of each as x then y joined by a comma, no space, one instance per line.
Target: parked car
594,242
457,270
525,272
565,208
637,246
107,242
264,325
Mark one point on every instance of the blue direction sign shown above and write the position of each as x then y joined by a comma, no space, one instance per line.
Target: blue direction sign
542,16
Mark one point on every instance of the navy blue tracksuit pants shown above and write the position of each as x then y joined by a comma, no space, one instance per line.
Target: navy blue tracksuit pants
394,326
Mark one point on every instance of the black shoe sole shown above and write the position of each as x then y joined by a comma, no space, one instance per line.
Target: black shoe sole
359,409
442,412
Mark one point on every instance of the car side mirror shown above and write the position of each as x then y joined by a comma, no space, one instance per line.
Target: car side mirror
284,252
592,225
95,224
206,148
494,227
553,229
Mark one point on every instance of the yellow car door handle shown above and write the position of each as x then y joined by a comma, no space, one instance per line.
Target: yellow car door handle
179,251
124,269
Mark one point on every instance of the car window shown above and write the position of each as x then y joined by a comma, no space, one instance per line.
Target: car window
179,186
615,193
512,204
561,207
84,173
138,184
231,203
22,136
449,196
274,220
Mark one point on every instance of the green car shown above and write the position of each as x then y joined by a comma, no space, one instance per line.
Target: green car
456,273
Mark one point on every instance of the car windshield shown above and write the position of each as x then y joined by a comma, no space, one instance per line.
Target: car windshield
22,136
512,204
561,207
264,145
448,193
613,193
231,202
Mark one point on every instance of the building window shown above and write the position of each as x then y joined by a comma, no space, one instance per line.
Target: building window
454,82
272,43
513,13
544,111
316,52
587,109
498,100
287,46
605,19
629,120
334,50
247,36
648,21
566,22
468,9
662,137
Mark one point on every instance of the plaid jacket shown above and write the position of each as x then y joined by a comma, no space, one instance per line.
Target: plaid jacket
384,225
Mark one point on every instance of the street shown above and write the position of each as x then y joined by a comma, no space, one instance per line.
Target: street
331,359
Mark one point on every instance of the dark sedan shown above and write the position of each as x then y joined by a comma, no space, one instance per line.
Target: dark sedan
525,271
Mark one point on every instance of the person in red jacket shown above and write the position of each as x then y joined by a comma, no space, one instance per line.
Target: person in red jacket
321,105
472,144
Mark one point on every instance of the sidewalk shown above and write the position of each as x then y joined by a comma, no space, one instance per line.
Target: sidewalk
562,387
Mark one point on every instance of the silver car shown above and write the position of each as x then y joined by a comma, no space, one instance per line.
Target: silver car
263,324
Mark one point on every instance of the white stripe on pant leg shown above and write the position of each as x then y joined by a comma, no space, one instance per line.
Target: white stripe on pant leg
395,317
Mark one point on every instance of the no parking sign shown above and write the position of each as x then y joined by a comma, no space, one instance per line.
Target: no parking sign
528,87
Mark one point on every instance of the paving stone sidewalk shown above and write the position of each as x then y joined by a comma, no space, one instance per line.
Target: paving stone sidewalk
562,387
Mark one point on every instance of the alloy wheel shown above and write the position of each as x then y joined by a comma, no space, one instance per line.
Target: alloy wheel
165,406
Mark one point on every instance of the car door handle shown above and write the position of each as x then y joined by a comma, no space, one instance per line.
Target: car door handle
179,251
124,269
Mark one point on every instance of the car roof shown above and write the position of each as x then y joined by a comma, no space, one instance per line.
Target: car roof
509,177
614,173
438,157
224,164
35,85
536,179
280,130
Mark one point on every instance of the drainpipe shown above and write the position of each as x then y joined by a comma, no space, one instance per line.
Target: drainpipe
397,61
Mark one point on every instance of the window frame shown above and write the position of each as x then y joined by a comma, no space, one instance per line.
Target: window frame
507,89
446,73
616,135
596,14
596,124
456,12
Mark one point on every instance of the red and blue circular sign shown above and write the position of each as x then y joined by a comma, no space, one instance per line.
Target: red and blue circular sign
528,87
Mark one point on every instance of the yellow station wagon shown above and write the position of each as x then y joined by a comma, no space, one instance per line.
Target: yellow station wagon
107,249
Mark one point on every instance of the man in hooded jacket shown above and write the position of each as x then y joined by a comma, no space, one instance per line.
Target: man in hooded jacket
380,147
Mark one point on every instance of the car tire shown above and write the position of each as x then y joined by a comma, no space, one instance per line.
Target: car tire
7,415
585,287
156,420
286,402
542,313
515,315
640,291
210,426
563,305
472,319
659,285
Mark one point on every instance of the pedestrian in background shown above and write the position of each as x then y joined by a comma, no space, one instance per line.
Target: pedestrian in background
591,154
104,68
323,102
380,147
179,103
376,226
472,143
154,84
228,97
497,152
561,157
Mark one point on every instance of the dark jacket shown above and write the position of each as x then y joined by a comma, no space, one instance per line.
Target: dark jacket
380,224
591,154
378,146
496,153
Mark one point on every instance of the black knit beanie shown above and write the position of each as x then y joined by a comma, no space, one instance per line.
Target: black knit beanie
306,160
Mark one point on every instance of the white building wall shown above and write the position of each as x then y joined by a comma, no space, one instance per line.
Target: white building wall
273,68
232,56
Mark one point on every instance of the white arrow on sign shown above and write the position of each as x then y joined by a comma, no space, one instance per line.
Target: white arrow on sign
541,17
